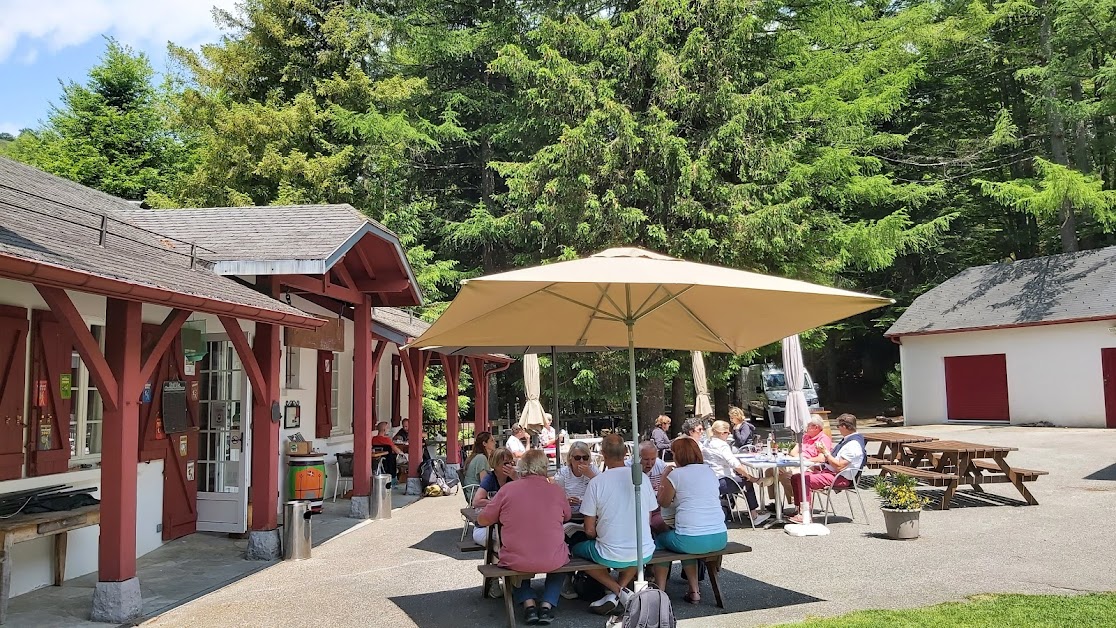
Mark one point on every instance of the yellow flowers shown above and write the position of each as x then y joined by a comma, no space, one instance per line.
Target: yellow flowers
898,492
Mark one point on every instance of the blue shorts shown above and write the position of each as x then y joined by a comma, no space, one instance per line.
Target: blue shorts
588,551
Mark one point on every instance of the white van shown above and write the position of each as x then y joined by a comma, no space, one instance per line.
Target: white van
764,392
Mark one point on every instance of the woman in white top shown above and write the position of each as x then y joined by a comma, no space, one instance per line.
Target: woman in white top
692,489
718,454
575,476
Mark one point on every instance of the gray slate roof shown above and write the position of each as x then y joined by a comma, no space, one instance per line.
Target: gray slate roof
402,322
1068,287
53,221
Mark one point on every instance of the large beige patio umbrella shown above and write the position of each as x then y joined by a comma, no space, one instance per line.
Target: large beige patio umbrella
532,416
637,298
702,407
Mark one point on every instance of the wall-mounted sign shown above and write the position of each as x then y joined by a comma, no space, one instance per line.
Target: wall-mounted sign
194,390
183,446
175,418
190,369
190,471
65,385
328,337
41,393
145,396
45,432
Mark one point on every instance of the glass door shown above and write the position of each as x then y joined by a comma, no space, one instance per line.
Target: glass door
222,445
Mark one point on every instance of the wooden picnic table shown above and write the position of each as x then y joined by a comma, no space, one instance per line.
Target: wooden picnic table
891,446
952,463
28,527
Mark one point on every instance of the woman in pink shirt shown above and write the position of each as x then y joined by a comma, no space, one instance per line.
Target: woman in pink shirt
532,511
815,435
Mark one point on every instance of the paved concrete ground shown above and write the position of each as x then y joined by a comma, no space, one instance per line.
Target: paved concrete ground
179,571
406,571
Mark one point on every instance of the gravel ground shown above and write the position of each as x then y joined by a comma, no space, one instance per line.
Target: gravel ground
407,572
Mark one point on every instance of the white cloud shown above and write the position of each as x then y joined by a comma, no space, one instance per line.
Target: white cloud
31,26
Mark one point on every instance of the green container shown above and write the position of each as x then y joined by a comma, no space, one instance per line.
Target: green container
306,479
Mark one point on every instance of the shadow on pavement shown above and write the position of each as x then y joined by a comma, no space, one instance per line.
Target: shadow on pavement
1107,473
464,607
444,542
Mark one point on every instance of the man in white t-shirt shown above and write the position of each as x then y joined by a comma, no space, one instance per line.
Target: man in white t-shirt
610,519
515,442
848,455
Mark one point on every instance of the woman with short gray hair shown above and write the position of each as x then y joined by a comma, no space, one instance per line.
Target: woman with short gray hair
532,539
575,475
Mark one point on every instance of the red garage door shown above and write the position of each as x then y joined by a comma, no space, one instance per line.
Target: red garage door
976,388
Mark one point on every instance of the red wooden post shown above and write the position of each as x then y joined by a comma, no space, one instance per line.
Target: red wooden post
120,444
480,400
415,362
265,431
362,399
451,365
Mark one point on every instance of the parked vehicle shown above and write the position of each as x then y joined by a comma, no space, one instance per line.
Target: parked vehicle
764,392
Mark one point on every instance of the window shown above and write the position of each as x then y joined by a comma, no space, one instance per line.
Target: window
334,397
86,410
291,366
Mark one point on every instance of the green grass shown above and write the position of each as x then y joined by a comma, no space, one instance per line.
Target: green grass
1094,609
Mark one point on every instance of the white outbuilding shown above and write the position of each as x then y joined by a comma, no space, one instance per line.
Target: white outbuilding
1012,343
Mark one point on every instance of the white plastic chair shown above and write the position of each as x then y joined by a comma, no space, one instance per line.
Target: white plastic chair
733,502
853,476
467,490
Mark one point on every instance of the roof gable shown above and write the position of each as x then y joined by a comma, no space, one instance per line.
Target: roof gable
1057,288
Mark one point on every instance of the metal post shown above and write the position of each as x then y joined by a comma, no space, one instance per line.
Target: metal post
554,403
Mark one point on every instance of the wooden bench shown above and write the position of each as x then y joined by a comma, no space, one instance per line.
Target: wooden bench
875,463
932,478
469,545
712,562
1025,475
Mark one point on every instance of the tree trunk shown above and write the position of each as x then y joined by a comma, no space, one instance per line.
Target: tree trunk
721,403
831,364
1057,129
677,403
651,403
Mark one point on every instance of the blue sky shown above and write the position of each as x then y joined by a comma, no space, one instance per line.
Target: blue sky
45,41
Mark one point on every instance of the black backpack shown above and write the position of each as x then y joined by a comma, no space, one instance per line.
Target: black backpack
434,471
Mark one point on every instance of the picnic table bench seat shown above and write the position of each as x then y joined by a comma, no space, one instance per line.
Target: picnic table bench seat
926,476
712,561
469,545
875,463
1026,475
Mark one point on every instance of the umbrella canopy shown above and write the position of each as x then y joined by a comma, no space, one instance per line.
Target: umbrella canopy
702,406
637,298
532,416
798,411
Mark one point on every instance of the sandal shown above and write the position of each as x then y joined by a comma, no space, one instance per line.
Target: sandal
692,598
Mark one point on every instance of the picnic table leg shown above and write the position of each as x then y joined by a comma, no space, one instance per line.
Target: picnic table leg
509,606
60,543
943,464
489,556
713,565
5,575
1017,481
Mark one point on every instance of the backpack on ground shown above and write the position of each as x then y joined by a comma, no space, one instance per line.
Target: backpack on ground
434,473
587,588
650,608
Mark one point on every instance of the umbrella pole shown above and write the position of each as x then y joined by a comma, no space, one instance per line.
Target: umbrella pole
637,470
557,425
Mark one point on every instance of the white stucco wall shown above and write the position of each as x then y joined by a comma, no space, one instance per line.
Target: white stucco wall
1053,371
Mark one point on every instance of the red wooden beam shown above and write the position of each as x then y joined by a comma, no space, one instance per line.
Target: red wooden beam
343,274
86,345
382,285
172,324
415,362
364,263
322,287
362,398
451,366
244,351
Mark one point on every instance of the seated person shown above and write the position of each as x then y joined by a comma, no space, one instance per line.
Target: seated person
575,475
610,519
693,490
695,429
401,436
517,442
812,440
653,467
742,430
849,453
476,465
718,454
660,436
384,451
503,471
532,511
548,439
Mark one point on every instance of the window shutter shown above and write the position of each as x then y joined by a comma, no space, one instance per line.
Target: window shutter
322,424
49,434
13,366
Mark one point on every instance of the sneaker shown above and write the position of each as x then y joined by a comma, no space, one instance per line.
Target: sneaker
761,518
546,615
531,615
605,605
568,590
625,596
495,588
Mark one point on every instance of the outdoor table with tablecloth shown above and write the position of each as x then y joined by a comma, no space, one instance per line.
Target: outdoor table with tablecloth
762,465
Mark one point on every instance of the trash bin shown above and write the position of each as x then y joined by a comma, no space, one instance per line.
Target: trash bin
379,502
296,530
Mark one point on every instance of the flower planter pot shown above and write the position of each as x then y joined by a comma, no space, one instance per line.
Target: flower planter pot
901,524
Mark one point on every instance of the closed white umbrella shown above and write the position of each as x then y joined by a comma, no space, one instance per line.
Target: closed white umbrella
796,416
702,406
532,416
